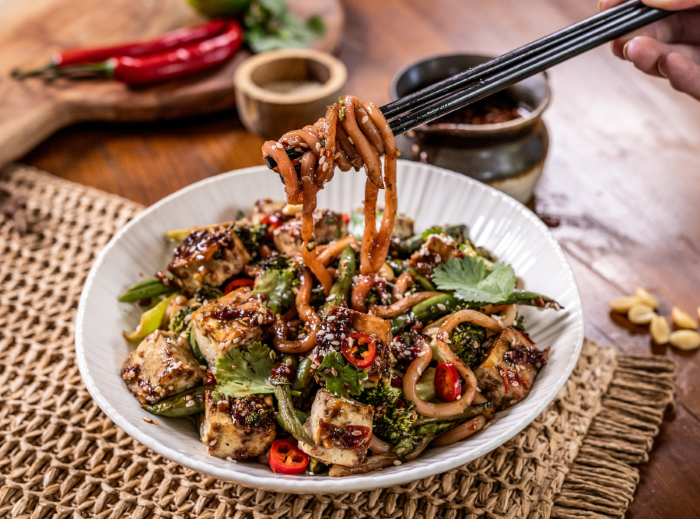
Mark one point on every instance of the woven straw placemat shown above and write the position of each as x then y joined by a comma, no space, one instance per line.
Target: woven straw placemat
61,457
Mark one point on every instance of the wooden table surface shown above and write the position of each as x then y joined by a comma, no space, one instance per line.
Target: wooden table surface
623,176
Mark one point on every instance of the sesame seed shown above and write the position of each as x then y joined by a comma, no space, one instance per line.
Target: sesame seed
202,367
188,397
400,450
190,403
334,372
459,396
325,166
322,160
335,343
158,389
260,318
336,156
298,150
279,145
356,433
330,336
304,145
330,318
420,371
397,463
318,147
350,342
442,307
212,443
365,119
351,141
306,178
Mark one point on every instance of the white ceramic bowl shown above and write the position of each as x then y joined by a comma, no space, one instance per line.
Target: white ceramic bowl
430,195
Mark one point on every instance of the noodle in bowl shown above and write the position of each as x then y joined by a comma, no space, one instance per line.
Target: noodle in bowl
430,195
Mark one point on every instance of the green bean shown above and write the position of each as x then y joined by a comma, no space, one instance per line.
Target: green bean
146,289
316,466
424,282
177,406
520,297
303,380
287,416
196,352
427,311
347,266
301,416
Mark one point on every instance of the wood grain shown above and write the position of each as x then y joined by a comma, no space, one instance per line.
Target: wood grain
32,31
623,176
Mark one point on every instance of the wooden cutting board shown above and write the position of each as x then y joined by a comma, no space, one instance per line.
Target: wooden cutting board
32,30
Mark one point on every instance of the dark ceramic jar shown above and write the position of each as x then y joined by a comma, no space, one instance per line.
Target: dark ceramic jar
507,155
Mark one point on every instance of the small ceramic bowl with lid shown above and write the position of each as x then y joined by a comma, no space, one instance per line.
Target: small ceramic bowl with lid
284,90
500,140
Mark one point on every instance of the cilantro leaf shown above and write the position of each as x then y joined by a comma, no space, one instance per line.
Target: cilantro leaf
277,284
342,379
472,281
241,373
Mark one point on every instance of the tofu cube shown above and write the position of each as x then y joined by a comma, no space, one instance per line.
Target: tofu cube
507,373
234,321
240,428
403,227
329,226
437,249
340,428
161,366
208,257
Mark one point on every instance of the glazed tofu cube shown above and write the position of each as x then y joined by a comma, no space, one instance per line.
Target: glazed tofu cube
340,428
234,321
329,226
438,248
265,207
403,227
161,366
240,428
208,257
507,373
336,328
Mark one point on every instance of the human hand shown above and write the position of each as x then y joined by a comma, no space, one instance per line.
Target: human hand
668,48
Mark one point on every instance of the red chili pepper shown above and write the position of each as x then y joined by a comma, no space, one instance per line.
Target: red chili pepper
238,283
287,458
346,218
448,386
168,41
272,220
157,68
350,352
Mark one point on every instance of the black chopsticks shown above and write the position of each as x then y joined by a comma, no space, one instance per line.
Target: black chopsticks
432,103
474,84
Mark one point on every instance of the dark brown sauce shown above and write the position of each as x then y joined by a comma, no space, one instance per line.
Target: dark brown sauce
527,355
352,437
497,108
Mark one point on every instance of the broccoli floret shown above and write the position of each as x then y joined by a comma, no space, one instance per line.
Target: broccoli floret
251,236
180,323
466,342
277,261
207,293
394,415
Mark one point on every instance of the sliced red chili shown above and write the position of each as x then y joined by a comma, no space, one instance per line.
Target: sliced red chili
351,349
238,283
272,220
448,386
287,458
346,218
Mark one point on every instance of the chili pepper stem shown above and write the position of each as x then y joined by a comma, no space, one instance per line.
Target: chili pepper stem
105,68
19,75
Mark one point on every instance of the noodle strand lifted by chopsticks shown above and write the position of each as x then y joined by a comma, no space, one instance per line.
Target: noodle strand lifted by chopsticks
340,137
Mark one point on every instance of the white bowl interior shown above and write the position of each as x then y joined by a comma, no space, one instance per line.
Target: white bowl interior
428,194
